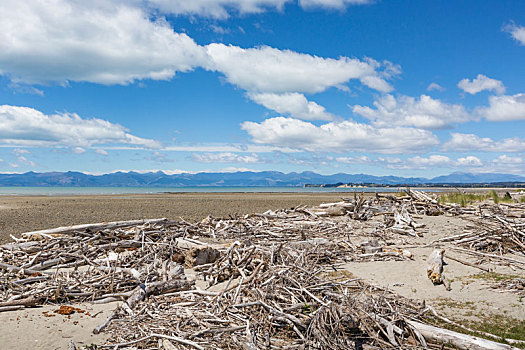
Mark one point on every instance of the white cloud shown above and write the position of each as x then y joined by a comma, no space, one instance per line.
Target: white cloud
504,108
266,69
179,171
292,103
78,150
19,151
426,113
215,8
435,160
506,160
354,160
217,147
505,164
418,162
222,9
415,163
13,165
469,161
469,142
25,161
225,157
335,4
481,83
516,32
231,169
101,151
28,127
94,41
435,86
344,136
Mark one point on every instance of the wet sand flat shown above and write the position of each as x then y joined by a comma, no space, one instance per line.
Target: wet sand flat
28,213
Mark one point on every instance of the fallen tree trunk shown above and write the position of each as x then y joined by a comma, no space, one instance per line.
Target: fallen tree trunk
459,340
97,226
29,301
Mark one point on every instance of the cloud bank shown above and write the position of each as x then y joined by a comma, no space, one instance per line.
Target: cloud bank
28,127
346,136
425,112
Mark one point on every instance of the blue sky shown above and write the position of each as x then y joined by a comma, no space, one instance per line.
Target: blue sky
417,88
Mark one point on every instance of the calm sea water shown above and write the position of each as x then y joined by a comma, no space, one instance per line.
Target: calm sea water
62,191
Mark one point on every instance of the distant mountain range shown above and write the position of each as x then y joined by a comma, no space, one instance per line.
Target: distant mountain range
248,178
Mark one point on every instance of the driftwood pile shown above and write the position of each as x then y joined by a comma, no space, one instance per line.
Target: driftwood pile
262,281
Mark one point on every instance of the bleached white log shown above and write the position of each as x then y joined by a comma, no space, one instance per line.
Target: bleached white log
97,226
435,266
459,340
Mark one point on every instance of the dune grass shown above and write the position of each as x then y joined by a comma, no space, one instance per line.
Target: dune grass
464,199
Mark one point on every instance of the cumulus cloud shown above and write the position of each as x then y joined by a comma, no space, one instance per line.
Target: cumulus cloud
507,160
504,108
435,86
343,136
266,69
516,32
469,161
481,83
505,164
293,104
469,142
94,41
435,160
121,42
225,157
28,127
426,113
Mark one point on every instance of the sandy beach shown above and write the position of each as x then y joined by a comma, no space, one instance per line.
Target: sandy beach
471,299
28,213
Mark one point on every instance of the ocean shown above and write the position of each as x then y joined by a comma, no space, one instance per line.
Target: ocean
70,191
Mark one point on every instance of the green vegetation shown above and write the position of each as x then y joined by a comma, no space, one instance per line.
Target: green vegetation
494,276
450,303
501,326
464,199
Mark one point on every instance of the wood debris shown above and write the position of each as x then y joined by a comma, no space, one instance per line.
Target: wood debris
268,280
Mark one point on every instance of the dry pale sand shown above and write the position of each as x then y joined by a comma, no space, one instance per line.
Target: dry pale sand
31,329
469,297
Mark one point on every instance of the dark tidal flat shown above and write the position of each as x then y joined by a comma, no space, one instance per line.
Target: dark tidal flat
28,213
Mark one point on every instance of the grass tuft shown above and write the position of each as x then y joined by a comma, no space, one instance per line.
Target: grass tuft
464,199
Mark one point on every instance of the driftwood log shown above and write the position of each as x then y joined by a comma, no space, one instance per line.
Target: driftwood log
435,266
273,281
459,340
